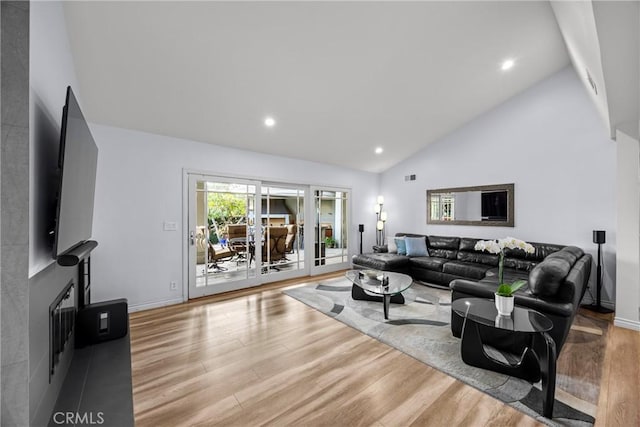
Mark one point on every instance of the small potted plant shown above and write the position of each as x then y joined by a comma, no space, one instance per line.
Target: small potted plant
330,242
504,297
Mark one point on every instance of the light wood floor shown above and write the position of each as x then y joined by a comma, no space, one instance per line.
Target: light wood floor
257,357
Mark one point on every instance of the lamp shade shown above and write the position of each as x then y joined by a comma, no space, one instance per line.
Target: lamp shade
380,225
380,200
383,216
377,209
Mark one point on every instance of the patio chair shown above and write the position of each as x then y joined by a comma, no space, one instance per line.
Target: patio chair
217,255
292,230
237,240
274,248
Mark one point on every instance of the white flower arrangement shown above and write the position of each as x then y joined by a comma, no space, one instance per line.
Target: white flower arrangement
498,247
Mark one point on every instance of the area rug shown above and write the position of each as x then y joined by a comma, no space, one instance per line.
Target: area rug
421,329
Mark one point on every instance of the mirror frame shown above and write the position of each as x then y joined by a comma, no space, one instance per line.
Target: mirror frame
509,188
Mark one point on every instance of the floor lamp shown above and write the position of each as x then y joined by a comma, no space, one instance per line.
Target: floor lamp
361,230
381,218
599,237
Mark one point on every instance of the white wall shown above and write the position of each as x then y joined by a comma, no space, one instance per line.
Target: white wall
628,207
139,186
550,142
51,71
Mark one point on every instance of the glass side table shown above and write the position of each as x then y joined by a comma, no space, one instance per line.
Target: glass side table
538,359
386,285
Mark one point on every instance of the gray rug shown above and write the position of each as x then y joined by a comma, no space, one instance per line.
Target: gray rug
420,328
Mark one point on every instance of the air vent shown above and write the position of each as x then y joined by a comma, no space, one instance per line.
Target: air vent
410,177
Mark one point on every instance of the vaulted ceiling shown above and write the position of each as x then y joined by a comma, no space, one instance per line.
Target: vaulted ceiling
602,38
339,78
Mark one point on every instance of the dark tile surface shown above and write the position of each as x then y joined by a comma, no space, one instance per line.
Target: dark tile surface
14,179
98,386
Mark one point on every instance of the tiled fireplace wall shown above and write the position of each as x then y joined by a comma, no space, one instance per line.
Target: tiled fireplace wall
27,394
14,203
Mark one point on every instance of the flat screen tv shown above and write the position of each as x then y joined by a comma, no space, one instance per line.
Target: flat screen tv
494,206
77,161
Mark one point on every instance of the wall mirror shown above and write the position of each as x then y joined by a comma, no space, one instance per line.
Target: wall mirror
481,205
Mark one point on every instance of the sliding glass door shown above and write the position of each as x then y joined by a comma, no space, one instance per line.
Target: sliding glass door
282,230
222,224
242,233
331,230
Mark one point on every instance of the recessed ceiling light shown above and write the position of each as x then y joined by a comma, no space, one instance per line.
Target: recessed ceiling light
269,122
379,150
507,65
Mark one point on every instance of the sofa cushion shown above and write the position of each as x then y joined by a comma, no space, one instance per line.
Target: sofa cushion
468,244
443,242
443,253
400,245
570,254
519,264
510,275
416,246
479,258
545,279
574,250
567,256
429,263
381,261
443,247
468,253
541,251
466,269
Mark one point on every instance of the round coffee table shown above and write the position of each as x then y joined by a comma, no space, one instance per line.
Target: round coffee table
386,285
537,361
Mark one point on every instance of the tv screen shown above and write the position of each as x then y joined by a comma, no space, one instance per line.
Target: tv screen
494,206
77,161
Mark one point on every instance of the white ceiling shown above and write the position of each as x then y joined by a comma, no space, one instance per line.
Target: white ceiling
341,78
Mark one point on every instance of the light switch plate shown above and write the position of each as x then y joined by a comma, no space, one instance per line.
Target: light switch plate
170,226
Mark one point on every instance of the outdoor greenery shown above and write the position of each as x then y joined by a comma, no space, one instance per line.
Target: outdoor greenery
224,209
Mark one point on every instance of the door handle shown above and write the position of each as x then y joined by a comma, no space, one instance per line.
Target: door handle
192,237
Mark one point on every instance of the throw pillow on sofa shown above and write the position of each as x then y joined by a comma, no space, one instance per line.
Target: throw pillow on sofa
400,244
545,278
416,246
391,247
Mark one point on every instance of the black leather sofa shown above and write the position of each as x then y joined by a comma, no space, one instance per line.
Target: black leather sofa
556,275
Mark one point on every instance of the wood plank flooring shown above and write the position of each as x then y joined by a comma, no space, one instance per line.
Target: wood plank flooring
619,403
258,357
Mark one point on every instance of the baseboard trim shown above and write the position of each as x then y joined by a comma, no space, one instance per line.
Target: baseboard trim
628,324
157,304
